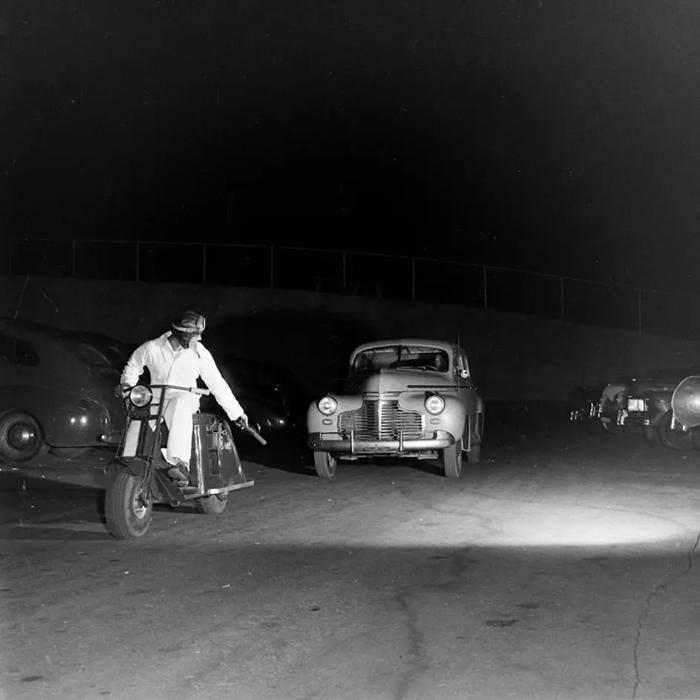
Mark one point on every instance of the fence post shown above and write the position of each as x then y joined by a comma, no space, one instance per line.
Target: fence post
345,273
561,299
138,260
413,278
204,263
486,304
272,267
639,309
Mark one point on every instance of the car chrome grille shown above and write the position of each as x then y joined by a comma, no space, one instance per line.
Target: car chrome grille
381,420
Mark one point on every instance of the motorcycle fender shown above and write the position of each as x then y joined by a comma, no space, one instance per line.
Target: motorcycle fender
164,489
137,467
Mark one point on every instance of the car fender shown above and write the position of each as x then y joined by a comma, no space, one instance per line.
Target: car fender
46,405
314,417
659,404
453,419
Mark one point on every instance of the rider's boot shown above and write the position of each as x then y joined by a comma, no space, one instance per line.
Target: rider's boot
179,473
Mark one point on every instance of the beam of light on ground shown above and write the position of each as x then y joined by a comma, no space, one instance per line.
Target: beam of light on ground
547,520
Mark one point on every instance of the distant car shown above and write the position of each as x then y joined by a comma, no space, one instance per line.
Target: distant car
648,406
272,397
56,390
402,398
603,404
641,403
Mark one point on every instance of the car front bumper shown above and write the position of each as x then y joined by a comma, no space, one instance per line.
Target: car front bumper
333,442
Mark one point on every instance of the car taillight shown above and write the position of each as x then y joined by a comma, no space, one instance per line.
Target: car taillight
104,420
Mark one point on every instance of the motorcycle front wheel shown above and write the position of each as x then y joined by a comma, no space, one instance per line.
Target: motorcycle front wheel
128,509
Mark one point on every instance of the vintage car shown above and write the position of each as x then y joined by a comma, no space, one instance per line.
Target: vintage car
401,398
56,390
603,405
641,403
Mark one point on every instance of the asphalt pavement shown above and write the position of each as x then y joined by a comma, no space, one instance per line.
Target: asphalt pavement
562,566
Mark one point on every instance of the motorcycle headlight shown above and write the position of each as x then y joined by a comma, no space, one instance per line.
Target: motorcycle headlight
434,404
141,396
327,405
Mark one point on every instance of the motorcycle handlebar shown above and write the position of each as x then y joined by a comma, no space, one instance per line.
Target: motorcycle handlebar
124,393
192,389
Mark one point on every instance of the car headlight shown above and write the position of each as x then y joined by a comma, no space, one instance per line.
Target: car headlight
141,396
327,405
434,404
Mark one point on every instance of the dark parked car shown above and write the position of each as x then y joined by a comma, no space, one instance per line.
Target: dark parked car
271,395
57,390
643,403
648,406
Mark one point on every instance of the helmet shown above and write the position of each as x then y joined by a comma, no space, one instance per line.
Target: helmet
187,327
189,322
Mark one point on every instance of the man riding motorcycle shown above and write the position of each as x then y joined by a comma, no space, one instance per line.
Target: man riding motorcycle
178,357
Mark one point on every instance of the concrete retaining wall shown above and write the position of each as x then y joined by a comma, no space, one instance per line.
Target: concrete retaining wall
512,356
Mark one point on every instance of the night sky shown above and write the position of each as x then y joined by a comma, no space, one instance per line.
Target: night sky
553,135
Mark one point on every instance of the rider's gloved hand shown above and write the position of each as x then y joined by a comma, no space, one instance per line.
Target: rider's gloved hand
122,390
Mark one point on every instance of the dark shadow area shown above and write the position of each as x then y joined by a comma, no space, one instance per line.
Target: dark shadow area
287,453
40,480
57,534
313,343
503,416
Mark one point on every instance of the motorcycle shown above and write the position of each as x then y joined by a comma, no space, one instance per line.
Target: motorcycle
141,472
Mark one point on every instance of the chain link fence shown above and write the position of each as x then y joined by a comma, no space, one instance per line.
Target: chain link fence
385,276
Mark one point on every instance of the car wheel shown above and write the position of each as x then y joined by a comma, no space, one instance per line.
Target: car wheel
211,505
474,454
325,464
651,433
474,451
21,437
452,460
673,438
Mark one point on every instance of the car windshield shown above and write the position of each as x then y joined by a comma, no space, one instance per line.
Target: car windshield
401,357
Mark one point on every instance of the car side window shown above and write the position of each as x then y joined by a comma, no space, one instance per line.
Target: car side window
17,352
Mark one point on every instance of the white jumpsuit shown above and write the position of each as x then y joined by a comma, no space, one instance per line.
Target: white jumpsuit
181,367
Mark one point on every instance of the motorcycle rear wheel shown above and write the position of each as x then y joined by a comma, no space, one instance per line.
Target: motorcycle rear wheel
211,505
128,511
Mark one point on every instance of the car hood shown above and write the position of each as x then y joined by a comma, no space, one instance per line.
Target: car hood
397,380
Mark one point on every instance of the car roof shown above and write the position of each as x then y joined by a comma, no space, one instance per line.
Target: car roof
440,344
31,330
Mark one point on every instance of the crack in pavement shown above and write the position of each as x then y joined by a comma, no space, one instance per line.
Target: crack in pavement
417,662
640,620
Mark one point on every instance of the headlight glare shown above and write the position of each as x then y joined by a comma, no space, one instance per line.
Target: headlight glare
434,404
141,396
636,405
327,405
